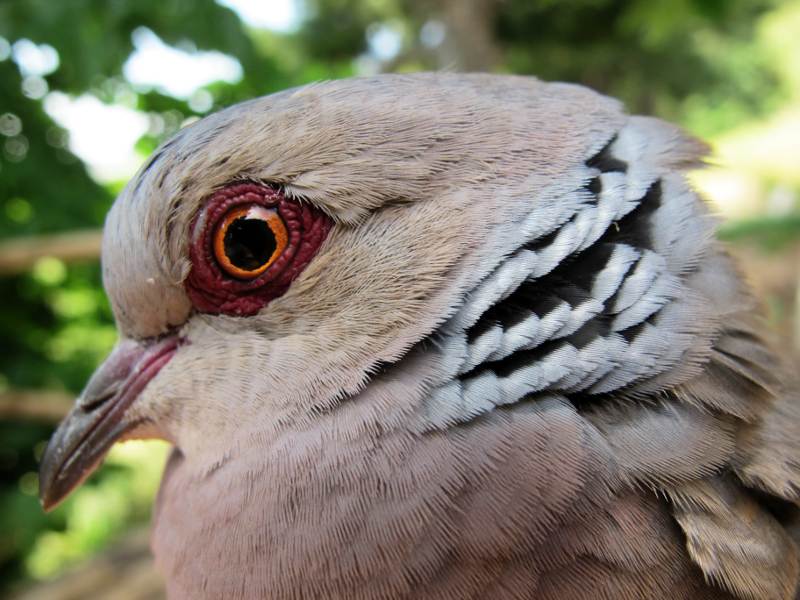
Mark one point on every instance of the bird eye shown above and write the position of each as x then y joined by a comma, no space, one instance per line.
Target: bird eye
248,239
248,243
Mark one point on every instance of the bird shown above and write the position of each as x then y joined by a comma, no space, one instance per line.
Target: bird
440,335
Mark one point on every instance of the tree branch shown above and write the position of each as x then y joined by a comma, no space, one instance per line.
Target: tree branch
19,255
34,405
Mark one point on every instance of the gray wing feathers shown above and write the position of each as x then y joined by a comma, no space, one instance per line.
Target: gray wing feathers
660,321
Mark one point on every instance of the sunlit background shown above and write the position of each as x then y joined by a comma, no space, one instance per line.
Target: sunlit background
88,89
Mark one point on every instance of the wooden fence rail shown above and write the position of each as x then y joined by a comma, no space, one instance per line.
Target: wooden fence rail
19,255
35,405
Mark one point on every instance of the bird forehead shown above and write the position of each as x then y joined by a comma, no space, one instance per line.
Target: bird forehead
351,146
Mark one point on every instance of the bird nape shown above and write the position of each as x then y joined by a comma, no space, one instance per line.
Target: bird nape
440,336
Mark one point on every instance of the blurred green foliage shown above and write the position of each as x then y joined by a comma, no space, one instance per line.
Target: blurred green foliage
770,233
710,64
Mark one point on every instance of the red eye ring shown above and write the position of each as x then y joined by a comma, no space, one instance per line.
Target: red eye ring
239,239
266,272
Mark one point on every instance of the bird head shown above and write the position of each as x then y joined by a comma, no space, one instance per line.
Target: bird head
270,259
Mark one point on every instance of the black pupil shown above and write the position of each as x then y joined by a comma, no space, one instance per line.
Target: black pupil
249,243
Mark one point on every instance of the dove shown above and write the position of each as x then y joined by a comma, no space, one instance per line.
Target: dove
440,336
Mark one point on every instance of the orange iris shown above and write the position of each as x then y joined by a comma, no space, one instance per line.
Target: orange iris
248,240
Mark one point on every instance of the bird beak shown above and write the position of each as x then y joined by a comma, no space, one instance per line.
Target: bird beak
98,418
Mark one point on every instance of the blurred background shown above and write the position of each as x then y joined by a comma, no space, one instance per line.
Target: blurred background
88,88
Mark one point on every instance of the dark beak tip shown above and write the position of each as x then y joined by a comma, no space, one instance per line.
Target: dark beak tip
48,504
54,489
49,497
51,501
57,479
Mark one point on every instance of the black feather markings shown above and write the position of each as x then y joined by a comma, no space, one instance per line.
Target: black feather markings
606,162
635,228
571,281
594,186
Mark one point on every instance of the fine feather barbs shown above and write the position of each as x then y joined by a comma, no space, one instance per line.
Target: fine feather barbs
501,354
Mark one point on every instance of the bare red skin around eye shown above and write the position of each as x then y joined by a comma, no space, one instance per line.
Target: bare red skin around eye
213,291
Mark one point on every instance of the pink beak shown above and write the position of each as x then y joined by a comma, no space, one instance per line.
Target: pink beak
98,418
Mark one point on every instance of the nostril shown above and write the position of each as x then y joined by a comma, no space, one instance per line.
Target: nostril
89,401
